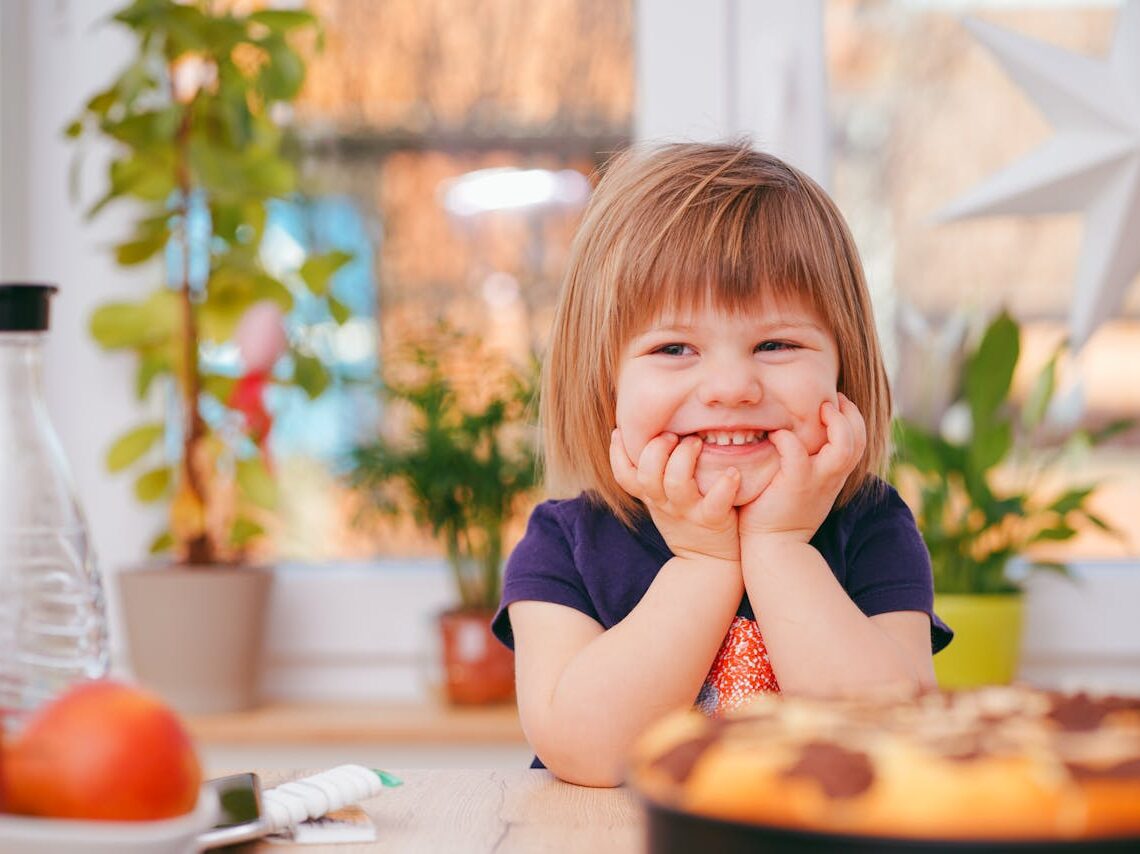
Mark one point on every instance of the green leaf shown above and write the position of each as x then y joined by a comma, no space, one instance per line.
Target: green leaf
152,485
153,362
269,288
989,370
1101,523
989,447
132,445
227,220
218,386
1113,428
186,28
151,236
339,311
1071,500
148,176
280,20
101,102
1060,531
924,450
1037,404
230,291
123,324
271,176
147,132
244,530
317,271
283,75
310,374
73,130
162,543
137,251
256,483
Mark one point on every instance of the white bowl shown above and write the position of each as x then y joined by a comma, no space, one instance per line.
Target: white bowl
26,835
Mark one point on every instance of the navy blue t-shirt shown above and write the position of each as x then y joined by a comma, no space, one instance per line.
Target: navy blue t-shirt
576,553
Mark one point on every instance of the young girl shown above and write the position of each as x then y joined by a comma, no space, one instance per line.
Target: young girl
715,392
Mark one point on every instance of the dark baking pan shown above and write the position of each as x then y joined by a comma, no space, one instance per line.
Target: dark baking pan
672,832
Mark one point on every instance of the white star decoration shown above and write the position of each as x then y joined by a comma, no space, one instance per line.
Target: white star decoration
1091,164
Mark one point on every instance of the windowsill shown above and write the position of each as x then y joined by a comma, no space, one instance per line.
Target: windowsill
404,723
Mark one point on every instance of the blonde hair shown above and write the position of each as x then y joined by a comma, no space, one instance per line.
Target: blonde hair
679,227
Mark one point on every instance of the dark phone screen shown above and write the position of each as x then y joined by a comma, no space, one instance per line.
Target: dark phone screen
240,798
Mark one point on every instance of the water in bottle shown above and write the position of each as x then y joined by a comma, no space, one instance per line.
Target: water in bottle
53,629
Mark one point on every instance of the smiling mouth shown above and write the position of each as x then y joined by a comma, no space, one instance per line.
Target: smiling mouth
724,438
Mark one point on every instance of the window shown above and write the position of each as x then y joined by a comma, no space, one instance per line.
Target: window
457,139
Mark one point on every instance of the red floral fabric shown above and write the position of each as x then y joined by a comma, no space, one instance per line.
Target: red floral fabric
740,669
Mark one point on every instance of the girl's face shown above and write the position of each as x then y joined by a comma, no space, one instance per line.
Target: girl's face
731,379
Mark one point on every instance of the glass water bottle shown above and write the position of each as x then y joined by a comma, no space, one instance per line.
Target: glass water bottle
53,629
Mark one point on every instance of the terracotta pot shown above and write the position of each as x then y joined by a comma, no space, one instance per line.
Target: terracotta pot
477,668
195,635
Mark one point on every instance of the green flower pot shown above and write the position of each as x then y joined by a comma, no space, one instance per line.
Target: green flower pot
987,639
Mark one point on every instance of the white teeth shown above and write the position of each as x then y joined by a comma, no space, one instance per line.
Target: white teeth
732,437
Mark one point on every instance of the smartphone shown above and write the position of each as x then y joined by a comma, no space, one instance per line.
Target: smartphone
239,818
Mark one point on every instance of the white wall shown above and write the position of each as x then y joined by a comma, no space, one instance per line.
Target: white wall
57,54
711,69
13,115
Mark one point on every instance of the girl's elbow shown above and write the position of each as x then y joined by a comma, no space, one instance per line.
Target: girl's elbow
572,754
595,778
582,765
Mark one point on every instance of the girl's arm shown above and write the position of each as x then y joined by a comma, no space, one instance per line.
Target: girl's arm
585,694
818,640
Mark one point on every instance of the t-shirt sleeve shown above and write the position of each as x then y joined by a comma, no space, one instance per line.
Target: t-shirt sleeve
542,568
888,566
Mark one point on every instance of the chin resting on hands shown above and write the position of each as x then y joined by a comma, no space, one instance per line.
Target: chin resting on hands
693,525
802,492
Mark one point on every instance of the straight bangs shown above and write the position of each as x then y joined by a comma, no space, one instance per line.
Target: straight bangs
734,250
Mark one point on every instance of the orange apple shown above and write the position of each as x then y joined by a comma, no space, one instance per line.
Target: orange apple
102,750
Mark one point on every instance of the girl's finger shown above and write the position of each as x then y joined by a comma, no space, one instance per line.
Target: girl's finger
679,479
625,472
651,465
839,449
846,439
719,500
793,454
855,418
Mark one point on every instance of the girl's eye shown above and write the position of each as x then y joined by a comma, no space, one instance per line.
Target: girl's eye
674,349
774,346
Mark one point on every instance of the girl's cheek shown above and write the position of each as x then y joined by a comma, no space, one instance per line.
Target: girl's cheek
632,443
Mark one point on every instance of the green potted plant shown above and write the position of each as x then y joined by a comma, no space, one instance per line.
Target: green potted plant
198,154
463,463
983,497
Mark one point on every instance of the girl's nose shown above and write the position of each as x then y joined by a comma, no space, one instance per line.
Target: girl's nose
730,385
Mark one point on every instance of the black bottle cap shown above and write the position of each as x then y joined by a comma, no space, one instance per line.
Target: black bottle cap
24,306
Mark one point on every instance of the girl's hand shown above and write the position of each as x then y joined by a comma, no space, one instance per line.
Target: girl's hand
804,488
693,525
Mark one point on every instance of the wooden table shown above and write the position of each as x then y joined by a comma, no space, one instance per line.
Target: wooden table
511,810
